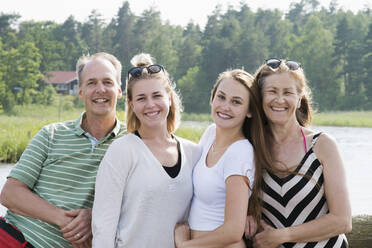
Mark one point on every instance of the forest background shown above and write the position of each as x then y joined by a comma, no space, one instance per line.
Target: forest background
334,47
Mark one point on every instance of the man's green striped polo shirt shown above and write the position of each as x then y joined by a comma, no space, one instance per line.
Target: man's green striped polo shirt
60,165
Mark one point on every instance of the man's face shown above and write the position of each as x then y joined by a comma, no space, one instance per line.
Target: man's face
99,88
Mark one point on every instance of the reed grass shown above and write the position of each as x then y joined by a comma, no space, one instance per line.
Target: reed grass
349,119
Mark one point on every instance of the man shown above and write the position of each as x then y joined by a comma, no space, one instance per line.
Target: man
49,192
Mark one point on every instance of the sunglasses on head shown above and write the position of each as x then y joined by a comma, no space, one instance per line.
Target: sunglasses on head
151,69
275,63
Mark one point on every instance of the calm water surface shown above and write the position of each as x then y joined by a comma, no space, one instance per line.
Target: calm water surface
355,145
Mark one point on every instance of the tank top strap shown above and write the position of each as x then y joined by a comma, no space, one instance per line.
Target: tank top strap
315,139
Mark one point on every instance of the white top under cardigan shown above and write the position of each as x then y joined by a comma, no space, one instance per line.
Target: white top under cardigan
208,205
137,204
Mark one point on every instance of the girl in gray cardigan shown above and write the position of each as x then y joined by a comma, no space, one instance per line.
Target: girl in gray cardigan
144,182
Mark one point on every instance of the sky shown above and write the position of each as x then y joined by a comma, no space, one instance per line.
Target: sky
176,11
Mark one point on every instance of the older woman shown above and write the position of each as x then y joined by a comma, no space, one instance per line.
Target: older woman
305,198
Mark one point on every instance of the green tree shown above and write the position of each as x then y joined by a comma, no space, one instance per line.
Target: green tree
188,86
26,72
19,74
367,67
276,31
158,39
123,34
314,49
3,88
349,51
92,32
342,43
220,52
42,35
7,31
252,44
189,50
73,46
147,26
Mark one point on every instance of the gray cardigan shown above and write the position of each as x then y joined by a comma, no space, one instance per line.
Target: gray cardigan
137,204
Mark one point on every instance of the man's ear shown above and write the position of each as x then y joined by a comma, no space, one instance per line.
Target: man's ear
80,93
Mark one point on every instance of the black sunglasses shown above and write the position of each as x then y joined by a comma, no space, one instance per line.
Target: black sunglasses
151,69
275,63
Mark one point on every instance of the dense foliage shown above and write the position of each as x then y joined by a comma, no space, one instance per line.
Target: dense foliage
334,46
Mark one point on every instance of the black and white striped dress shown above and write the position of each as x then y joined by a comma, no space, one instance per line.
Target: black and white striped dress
297,199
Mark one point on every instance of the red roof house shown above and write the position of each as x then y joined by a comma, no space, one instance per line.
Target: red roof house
65,82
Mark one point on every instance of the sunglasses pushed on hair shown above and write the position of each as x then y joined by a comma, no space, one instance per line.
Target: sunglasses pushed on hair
151,69
275,63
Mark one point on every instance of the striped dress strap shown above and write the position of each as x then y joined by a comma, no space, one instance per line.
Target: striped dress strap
315,139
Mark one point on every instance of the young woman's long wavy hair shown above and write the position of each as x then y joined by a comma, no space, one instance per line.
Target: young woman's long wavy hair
253,130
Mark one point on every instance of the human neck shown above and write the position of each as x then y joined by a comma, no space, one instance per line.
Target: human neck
158,134
98,127
286,132
225,137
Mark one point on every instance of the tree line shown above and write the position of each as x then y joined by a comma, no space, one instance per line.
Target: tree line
334,47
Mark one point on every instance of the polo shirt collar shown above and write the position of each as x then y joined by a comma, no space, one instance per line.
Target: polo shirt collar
79,131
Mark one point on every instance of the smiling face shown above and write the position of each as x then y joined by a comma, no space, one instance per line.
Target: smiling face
280,98
230,105
150,103
99,88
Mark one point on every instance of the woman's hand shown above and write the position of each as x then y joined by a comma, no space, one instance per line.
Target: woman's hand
181,234
250,227
268,238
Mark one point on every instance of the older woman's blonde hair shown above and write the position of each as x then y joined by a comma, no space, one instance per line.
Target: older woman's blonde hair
175,109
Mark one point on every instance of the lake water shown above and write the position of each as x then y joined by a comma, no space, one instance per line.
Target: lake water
355,145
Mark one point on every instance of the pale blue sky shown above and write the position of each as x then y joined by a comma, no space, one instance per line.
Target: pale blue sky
177,12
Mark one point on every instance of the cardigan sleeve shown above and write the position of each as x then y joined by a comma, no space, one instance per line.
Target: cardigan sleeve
110,185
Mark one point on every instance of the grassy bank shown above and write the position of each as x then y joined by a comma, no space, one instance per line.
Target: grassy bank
17,130
349,119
